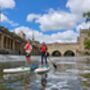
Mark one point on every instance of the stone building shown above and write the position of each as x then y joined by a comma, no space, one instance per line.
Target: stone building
10,43
70,49
83,35
22,35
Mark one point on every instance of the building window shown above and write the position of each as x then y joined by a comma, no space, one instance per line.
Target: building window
5,42
0,41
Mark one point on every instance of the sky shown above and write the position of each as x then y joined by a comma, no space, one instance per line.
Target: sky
48,21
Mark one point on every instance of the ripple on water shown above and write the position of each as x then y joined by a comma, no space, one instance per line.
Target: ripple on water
67,79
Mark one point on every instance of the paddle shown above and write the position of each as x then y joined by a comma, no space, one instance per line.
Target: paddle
54,65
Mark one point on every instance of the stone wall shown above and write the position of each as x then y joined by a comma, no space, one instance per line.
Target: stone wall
76,48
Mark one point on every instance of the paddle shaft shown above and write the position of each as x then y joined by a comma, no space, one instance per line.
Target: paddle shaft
54,65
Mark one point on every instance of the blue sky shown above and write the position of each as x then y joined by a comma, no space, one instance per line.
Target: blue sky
49,20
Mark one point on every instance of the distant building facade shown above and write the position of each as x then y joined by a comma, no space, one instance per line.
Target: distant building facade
83,36
70,49
22,35
10,43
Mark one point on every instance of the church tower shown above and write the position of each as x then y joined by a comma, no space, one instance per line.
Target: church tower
22,35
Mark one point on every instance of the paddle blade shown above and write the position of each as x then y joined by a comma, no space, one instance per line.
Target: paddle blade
54,65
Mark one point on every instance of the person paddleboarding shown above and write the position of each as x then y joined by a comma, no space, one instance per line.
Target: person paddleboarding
28,49
43,50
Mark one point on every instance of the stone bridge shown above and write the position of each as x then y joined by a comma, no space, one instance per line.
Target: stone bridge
68,49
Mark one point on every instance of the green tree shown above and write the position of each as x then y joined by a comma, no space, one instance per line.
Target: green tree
87,43
87,40
87,16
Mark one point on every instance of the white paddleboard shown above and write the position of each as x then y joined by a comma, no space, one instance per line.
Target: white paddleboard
17,69
42,70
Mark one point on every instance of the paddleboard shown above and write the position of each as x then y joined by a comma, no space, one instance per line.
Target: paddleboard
42,70
16,70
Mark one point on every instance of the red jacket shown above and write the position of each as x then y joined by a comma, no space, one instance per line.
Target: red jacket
43,48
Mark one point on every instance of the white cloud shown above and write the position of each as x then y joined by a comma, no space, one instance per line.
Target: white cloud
26,30
54,20
78,6
32,17
83,25
57,20
7,3
67,36
4,18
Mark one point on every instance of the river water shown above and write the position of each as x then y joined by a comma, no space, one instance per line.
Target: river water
72,73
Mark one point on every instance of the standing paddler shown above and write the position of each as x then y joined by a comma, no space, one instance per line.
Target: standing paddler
28,49
43,50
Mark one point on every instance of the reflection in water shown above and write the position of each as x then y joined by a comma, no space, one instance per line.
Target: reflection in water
43,81
71,74
16,81
85,75
26,82
85,80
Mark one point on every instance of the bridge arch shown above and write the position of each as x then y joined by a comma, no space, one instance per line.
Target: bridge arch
69,53
56,53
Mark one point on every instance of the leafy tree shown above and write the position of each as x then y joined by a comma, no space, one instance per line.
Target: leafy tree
87,16
89,33
87,40
87,43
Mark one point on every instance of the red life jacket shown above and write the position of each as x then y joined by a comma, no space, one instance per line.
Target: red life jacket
43,48
28,46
